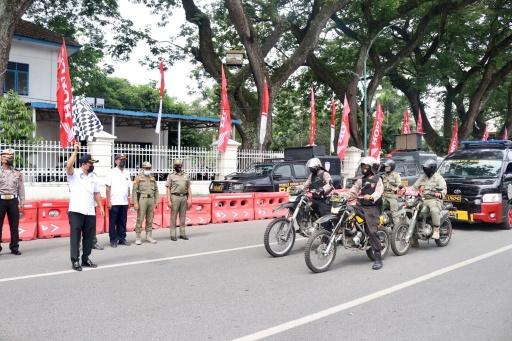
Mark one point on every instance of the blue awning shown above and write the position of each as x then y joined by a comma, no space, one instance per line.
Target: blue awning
139,114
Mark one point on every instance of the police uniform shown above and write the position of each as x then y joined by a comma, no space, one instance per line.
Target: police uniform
429,186
145,195
12,197
178,184
391,182
322,181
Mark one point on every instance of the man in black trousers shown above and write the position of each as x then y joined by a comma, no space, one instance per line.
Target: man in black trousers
84,188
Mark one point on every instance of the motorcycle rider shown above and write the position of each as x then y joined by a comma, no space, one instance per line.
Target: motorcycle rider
319,180
432,187
369,190
392,183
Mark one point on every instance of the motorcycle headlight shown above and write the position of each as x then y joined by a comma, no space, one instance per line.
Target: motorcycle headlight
292,198
492,197
335,209
410,202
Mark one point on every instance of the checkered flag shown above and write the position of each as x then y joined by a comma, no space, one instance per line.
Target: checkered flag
85,121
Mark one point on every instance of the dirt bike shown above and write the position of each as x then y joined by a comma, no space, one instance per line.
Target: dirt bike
348,230
280,234
420,225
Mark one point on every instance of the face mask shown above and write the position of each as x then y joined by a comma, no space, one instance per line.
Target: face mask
177,169
388,169
429,172
365,170
147,173
91,169
9,161
122,163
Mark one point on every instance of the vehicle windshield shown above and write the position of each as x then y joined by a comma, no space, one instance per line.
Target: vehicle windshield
470,168
259,169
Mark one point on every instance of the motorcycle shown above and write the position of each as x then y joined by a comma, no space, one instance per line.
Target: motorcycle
280,233
420,224
348,230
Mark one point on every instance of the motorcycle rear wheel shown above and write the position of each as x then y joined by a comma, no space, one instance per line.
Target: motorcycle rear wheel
314,255
276,242
384,245
445,233
398,244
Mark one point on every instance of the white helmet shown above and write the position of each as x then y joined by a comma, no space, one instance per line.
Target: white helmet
372,162
314,164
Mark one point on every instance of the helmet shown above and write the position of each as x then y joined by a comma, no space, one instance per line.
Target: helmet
146,164
389,163
178,162
371,163
314,164
429,167
8,151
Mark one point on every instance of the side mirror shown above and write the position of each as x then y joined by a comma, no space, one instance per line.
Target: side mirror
507,177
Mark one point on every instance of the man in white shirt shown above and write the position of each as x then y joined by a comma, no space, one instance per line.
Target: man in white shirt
85,191
118,191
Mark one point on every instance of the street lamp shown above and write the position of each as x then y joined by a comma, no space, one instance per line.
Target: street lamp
365,84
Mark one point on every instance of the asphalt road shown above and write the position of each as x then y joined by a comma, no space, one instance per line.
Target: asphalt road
221,284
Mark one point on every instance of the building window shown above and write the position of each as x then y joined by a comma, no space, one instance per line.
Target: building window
16,78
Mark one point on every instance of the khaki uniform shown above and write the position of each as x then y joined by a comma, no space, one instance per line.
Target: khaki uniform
178,184
145,193
432,204
391,183
12,195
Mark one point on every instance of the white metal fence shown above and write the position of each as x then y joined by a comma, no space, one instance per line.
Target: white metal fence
247,157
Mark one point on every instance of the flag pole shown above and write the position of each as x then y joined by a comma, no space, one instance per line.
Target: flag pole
158,122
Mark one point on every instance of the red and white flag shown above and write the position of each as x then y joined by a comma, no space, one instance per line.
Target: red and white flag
454,142
419,123
486,134
376,136
312,119
162,90
264,113
505,134
225,115
344,131
64,98
406,125
333,122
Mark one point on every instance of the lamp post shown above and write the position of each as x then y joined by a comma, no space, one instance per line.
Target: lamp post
365,85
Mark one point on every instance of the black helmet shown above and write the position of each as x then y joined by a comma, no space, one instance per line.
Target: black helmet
429,167
389,163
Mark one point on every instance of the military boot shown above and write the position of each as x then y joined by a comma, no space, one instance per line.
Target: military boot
435,235
149,238
377,265
137,239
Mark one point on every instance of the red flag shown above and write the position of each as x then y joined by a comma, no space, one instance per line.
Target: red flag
486,134
419,123
406,125
162,89
312,119
162,80
344,131
505,134
376,136
64,99
454,142
225,115
333,122
264,112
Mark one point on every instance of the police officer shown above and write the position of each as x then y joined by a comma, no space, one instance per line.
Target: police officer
12,196
368,190
145,198
319,180
179,195
392,183
433,188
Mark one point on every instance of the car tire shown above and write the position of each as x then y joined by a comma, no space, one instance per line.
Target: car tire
507,219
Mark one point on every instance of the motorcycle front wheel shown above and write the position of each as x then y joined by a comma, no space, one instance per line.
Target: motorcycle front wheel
279,237
398,243
315,254
384,245
445,234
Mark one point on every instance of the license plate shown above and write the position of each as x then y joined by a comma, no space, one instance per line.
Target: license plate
405,182
218,188
459,215
453,198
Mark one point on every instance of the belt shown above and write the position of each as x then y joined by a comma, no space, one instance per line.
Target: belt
8,196
146,196
179,194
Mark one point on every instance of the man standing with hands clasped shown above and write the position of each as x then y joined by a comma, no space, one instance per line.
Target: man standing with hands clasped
179,197
84,188
118,191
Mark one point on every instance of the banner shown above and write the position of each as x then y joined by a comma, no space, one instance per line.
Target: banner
376,135
162,90
333,122
225,115
344,131
419,123
406,124
454,142
64,98
312,119
264,113
486,134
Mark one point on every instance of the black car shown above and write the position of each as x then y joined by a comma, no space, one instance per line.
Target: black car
477,177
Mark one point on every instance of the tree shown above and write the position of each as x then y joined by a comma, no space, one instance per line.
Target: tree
13,109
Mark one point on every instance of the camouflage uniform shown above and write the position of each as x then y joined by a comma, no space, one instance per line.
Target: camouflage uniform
145,194
391,182
429,186
179,187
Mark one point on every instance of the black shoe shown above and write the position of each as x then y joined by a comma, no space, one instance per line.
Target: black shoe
174,239
97,247
113,244
124,242
184,237
76,266
89,264
377,265
16,252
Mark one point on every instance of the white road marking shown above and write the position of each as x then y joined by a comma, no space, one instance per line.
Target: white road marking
146,261
365,299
